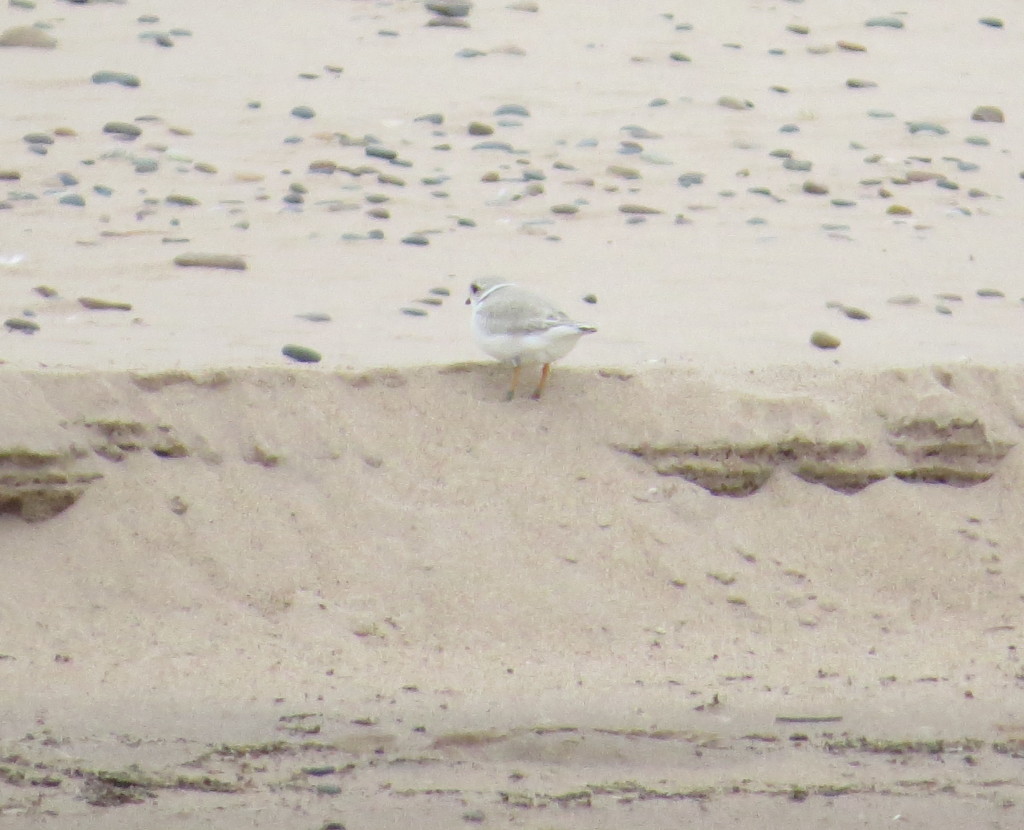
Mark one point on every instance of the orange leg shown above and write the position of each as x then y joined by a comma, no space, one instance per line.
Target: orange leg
544,373
515,382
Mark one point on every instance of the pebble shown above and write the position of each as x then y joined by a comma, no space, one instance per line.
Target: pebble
798,29
977,140
898,210
729,102
414,312
859,83
565,210
377,151
512,109
303,111
799,165
679,57
990,292
926,127
622,172
638,209
387,178
27,36
314,316
994,22
450,8
416,239
74,199
197,260
469,53
881,114
479,128
123,128
94,304
904,299
434,118
988,113
502,146
122,78
850,46
182,201
146,165
884,22
824,340
38,138
19,324
448,22
815,189
301,354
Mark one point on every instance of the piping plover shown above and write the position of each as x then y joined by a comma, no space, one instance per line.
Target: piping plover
522,328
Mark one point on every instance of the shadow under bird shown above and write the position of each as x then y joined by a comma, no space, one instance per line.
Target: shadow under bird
522,328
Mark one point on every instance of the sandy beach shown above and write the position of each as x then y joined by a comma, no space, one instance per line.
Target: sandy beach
753,559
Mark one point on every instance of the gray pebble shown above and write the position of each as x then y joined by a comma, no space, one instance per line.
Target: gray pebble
639,132
67,179
292,198
679,57
303,111
815,188
690,179
314,316
904,299
502,146
38,138
800,165
994,22
926,127
623,172
844,203
977,140
990,292
448,22
377,151
512,109
658,102
431,118
469,53
478,128
565,209
416,239
387,178
431,301
414,312
881,114
860,83
123,128
450,8
301,354
102,190
74,199
630,148
182,200
145,165
123,78
884,22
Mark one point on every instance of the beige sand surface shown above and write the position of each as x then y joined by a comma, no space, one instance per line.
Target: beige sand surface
716,576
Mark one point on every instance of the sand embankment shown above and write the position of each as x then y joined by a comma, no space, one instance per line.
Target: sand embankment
639,571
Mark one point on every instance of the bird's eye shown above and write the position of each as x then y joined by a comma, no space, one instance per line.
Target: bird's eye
474,288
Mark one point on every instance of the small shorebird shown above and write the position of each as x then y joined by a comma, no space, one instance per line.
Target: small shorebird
522,328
